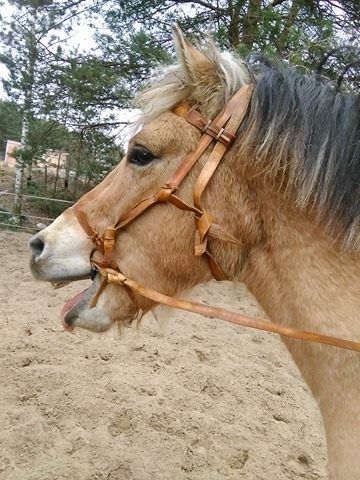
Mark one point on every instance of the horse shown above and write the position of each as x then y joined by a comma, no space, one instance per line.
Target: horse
283,217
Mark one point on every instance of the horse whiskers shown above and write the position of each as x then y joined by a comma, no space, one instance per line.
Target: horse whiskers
138,317
134,320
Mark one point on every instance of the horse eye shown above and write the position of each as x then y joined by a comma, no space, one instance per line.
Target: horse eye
140,156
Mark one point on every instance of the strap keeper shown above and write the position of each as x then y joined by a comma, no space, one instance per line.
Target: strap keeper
200,245
206,126
163,194
203,224
109,240
109,233
227,138
220,134
173,186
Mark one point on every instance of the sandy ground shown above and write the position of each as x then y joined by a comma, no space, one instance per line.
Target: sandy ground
196,399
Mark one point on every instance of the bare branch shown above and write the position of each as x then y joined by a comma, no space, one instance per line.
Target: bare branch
88,126
344,72
324,59
208,5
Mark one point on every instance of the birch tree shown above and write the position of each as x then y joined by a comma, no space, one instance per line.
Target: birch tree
28,35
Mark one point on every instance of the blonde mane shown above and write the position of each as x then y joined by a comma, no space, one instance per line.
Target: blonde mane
173,84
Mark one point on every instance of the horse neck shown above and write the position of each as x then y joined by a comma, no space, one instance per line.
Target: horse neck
300,279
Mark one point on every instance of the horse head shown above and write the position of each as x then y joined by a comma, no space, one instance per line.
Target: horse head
158,247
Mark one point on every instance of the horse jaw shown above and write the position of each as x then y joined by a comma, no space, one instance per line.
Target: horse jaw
112,306
78,312
82,315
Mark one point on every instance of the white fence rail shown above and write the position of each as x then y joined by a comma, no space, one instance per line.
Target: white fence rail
39,198
26,222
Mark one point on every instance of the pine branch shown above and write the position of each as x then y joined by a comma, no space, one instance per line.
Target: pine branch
324,59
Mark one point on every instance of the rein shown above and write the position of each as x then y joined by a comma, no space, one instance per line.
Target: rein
222,131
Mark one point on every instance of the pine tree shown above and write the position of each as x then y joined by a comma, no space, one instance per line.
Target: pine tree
299,32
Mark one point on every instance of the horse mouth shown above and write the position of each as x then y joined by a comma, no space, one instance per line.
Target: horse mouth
75,306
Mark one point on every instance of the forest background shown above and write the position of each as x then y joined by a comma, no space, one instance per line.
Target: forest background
71,69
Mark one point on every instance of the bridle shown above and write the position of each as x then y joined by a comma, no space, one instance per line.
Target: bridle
222,133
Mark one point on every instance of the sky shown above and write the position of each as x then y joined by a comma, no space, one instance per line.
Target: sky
82,40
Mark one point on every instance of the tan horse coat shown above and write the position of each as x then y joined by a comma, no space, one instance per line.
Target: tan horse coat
299,274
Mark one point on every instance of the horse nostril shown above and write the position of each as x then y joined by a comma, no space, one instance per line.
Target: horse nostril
37,246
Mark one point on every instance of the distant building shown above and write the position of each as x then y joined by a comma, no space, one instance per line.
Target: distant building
11,147
51,159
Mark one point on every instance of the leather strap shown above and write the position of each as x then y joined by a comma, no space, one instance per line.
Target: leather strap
92,234
118,278
231,116
183,110
104,282
204,125
135,212
211,130
237,108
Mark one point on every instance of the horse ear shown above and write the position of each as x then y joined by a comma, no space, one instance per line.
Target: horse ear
197,66
211,77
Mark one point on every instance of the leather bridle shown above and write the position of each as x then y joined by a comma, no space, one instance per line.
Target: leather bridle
222,133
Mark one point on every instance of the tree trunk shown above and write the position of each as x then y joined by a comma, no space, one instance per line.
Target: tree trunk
290,19
250,23
19,169
57,173
79,152
234,25
28,81
67,172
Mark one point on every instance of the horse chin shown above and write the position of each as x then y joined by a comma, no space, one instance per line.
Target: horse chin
77,312
94,319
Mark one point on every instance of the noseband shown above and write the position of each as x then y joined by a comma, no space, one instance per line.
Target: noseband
221,132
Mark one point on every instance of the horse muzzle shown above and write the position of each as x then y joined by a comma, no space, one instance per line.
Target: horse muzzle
61,252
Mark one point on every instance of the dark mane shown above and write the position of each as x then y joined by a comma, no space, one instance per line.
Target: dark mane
301,128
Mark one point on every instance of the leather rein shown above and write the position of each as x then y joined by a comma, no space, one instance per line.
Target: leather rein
222,133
